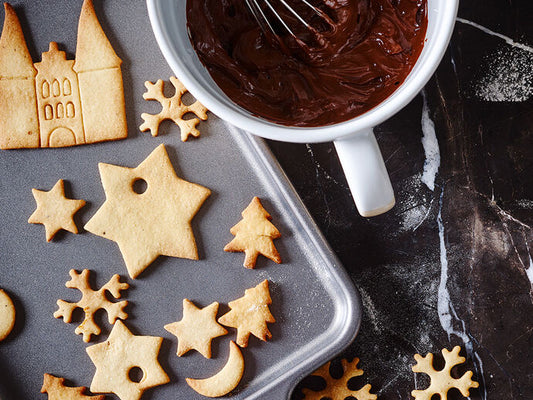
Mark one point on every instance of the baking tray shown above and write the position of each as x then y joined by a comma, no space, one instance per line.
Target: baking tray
314,302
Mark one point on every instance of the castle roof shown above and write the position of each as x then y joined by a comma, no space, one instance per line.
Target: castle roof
93,50
15,59
53,60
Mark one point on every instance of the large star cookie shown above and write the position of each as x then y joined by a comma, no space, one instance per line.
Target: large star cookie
118,355
152,221
54,210
197,328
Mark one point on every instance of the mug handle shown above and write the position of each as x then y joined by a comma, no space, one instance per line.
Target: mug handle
366,173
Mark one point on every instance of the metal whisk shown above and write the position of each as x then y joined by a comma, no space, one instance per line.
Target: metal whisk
276,16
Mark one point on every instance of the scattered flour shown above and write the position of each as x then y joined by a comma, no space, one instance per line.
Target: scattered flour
525,203
509,71
508,77
415,206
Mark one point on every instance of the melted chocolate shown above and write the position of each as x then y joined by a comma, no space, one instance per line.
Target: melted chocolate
352,59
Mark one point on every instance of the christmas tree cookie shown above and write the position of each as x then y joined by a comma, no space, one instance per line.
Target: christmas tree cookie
254,235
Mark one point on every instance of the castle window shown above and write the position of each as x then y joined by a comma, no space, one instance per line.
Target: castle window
60,110
56,90
48,112
71,113
45,89
67,90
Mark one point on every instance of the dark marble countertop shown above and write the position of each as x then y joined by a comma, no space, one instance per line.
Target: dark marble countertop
451,264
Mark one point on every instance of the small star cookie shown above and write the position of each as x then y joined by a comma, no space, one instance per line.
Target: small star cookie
118,355
250,314
149,223
54,210
197,328
56,390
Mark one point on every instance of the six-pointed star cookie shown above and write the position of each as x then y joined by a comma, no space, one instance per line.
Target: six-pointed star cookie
149,223
197,328
54,210
119,354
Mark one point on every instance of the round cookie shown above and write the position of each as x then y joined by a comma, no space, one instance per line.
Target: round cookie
7,315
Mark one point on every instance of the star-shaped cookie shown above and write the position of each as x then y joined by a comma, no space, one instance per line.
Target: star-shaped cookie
197,328
118,355
54,210
149,223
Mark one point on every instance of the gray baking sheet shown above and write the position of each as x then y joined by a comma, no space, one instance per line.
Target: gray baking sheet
314,303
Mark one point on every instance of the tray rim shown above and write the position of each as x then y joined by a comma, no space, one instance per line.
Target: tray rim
346,325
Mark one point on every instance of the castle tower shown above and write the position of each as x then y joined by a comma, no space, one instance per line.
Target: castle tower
100,81
58,100
19,124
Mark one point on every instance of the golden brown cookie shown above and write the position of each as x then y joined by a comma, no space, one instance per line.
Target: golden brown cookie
149,223
56,390
197,328
118,355
7,315
173,109
254,235
250,314
225,380
58,102
337,389
55,211
92,301
442,381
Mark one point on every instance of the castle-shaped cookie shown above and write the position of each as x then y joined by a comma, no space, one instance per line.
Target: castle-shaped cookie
59,102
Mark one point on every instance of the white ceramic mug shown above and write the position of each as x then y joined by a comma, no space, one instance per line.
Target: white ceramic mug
354,139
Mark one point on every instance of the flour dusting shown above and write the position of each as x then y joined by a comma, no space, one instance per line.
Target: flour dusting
509,74
508,77
525,203
415,205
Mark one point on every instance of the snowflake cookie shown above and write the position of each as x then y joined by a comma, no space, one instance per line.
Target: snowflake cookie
121,353
56,390
149,221
172,109
254,235
337,389
442,381
250,314
54,210
91,302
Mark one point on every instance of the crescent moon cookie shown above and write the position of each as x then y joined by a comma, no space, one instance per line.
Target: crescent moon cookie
7,315
225,380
